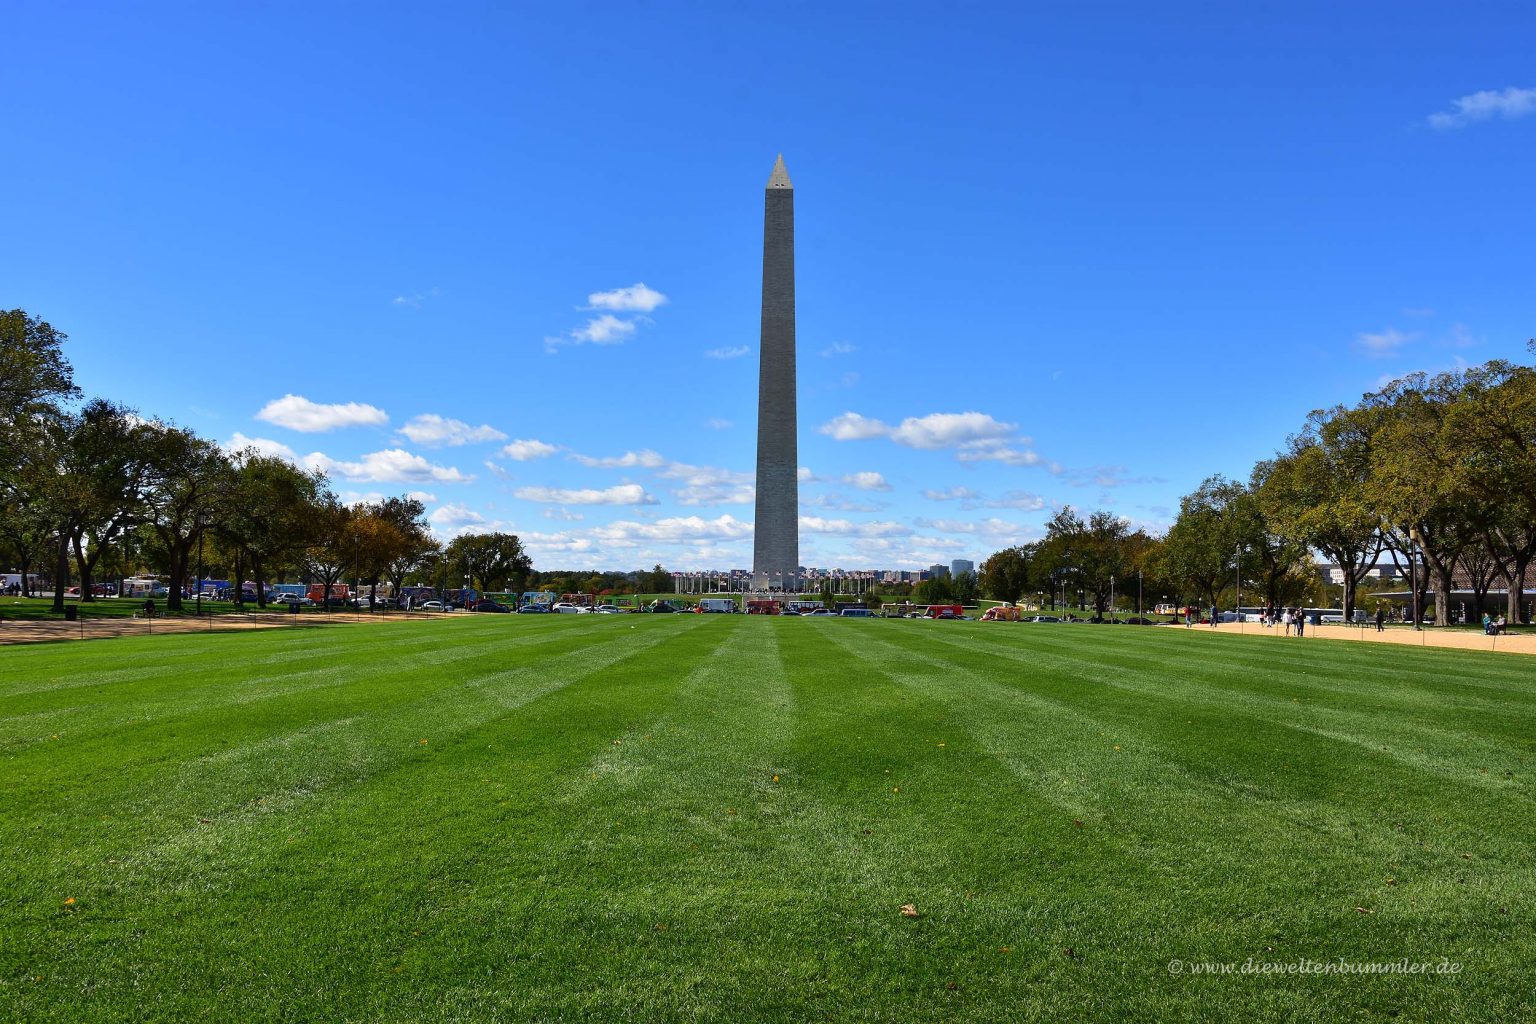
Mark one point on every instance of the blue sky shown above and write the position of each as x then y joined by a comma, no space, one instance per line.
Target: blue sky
509,257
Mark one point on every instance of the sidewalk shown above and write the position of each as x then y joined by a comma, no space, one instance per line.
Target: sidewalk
31,631
1523,642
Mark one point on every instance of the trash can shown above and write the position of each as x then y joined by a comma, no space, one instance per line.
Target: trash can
1316,618
293,607
71,613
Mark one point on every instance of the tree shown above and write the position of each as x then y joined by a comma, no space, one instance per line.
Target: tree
34,378
190,488
1316,493
330,550
112,470
269,514
492,560
964,587
1005,574
1201,548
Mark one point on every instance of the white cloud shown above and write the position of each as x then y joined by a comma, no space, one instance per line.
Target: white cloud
849,528
1509,104
702,476
715,423
850,426
435,431
454,518
735,352
497,470
264,445
394,465
840,503
604,330
629,460
990,527
637,298
620,494
969,499
563,514
298,413
838,348
600,330
675,530
523,450
867,481
716,494
413,300
953,494
1383,342
1007,456
928,433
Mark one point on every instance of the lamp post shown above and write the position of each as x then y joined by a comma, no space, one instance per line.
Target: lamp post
1413,575
1239,588
1138,595
200,529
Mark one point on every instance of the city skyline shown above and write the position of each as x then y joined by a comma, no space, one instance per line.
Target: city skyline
1055,261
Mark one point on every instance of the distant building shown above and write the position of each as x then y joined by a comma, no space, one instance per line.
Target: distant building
937,570
961,565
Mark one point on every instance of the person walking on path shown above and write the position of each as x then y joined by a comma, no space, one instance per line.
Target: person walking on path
1189,618
1381,617
1214,619
1285,621
1301,621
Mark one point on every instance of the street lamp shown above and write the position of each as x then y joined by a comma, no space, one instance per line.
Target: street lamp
1239,588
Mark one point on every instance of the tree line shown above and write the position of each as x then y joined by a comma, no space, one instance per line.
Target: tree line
1431,474
90,489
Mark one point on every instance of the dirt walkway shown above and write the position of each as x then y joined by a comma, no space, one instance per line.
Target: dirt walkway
1464,640
25,631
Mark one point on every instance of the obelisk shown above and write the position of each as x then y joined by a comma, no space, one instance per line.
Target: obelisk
776,535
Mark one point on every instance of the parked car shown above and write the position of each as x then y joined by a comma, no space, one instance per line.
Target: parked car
822,613
610,609
429,606
488,605
533,609
662,606
857,613
1044,618
565,608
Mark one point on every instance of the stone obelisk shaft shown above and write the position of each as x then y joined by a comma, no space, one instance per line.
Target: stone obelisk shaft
776,535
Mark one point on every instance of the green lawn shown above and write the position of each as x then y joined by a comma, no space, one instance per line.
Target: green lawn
664,818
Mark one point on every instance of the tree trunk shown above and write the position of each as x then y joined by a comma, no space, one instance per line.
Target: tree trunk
61,572
259,575
180,553
83,567
1514,610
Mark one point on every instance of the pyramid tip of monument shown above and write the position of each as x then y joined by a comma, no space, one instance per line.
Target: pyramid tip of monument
780,176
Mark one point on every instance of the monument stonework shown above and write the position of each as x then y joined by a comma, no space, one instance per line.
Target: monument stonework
776,534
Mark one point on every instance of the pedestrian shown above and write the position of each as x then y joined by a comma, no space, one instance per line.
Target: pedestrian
1285,621
1301,621
1381,617
1213,616
1189,618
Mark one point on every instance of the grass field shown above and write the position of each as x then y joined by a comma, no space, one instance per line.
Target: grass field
719,818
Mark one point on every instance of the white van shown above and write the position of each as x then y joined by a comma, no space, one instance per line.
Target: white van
721,605
857,613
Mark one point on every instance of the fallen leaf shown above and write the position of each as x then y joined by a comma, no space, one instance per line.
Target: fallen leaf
71,900
952,986
1077,822
1362,910
205,821
908,910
